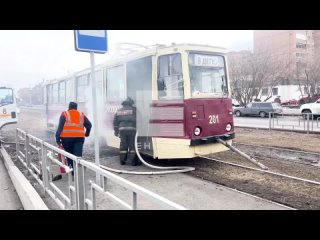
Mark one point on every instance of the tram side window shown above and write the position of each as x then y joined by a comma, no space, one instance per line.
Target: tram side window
98,80
68,91
139,79
55,93
170,82
115,84
62,92
44,96
49,89
82,89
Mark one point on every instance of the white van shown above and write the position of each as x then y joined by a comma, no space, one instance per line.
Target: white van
311,108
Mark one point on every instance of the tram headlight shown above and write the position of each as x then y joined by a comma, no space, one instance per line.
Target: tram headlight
228,127
197,131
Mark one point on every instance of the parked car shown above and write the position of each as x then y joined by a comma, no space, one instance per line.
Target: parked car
313,108
305,99
289,102
261,109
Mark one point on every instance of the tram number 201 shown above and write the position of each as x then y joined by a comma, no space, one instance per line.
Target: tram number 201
213,119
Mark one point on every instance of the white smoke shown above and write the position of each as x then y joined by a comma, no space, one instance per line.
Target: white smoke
100,110
101,107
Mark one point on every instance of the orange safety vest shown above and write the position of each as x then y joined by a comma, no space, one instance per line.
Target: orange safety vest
73,127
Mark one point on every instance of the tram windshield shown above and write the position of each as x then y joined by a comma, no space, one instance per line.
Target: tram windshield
6,96
207,76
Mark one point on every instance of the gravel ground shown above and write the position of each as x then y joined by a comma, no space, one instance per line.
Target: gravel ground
279,189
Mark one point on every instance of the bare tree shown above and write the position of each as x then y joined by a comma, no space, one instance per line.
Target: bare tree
278,72
308,76
251,72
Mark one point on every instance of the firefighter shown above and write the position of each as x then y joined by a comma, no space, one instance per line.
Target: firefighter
124,125
71,131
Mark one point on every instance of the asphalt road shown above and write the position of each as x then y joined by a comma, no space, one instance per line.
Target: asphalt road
285,121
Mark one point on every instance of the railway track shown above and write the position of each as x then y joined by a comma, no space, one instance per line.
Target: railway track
265,171
293,182
285,154
293,177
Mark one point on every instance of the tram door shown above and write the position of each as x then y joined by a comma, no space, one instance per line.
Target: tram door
139,86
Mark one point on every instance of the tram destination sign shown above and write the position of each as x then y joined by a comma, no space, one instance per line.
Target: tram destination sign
91,41
208,60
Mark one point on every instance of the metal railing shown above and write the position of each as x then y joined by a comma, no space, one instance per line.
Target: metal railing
41,158
294,122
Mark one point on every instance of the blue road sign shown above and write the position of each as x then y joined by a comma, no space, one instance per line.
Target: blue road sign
91,41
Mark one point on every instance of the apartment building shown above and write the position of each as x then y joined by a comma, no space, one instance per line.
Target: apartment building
294,49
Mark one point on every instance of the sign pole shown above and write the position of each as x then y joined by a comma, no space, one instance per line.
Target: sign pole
93,41
95,117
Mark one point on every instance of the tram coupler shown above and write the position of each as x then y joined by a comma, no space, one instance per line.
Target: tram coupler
242,154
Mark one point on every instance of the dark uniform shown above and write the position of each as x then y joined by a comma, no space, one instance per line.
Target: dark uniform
124,123
71,132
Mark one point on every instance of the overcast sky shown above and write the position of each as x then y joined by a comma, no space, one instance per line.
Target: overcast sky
27,57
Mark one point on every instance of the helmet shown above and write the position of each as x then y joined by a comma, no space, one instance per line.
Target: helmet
127,102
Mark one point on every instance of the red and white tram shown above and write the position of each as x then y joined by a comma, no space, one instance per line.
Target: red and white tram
182,94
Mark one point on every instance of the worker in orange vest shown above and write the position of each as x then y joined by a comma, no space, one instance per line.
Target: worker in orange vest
73,127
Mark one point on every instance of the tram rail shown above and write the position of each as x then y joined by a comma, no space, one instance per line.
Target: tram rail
292,183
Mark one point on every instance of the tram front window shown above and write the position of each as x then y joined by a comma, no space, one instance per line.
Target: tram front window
207,76
6,96
170,80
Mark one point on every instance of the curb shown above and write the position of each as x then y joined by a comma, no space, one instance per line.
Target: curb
29,197
278,129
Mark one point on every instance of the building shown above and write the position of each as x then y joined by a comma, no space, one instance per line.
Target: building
293,46
316,39
299,48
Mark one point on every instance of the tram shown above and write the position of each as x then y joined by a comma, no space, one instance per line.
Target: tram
182,94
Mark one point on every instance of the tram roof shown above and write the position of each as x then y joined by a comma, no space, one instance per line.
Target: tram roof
118,58
164,48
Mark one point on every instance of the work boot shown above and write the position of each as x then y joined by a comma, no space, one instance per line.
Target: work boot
56,178
123,158
136,163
